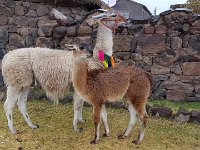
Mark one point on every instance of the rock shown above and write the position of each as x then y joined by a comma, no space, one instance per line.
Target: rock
32,22
118,105
176,42
12,29
16,40
195,116
161,29
161,77
3,35
66,99
32,13
5,11
2,53
194,43
59,32
162,111
178,86
181,118
151,44
43,10
119,39
84,30
136,56
148,60
195,30
20,21
29,40
123,55
182,78
19,10
186,58
43,42
197,89
186,27
23,31
186,40
140,64
4,20
191,68
176,69
163,60
159,70
149,30
175,95
196,79
33,32
46,30
43,21
71,31
172,33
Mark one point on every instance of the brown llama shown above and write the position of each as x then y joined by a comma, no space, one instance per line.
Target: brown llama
101,85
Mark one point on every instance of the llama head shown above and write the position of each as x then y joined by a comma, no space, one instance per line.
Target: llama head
79,53
112,19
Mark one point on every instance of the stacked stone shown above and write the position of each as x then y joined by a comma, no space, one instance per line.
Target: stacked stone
169,48
27,24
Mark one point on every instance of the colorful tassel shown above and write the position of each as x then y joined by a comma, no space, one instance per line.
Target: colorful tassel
108,61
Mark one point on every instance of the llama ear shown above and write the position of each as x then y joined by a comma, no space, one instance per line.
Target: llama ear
97,17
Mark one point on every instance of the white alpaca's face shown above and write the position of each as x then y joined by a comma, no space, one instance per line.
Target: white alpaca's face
111,17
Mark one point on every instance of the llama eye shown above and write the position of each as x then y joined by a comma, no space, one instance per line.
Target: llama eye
81,47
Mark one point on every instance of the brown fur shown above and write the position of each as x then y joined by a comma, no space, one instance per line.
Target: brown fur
101,85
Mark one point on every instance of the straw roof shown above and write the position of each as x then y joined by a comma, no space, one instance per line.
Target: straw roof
74,3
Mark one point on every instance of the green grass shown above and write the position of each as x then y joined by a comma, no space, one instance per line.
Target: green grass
56,133
176,105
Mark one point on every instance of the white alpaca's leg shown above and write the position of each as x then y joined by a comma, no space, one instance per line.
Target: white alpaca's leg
105,120
22,102
78,104
133,119
12,94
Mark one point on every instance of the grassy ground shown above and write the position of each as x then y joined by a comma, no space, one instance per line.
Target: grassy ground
56,133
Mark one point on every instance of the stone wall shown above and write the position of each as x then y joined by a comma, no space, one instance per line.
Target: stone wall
168,47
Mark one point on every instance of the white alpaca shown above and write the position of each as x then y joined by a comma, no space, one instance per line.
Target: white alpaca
51,68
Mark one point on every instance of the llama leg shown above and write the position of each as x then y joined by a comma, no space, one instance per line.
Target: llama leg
78,104
12,94
133,119
143,121
22,102
80,116
97,119
104,117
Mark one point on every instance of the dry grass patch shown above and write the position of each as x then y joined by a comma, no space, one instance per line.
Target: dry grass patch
56,131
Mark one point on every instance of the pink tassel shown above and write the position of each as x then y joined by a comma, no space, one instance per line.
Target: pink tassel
101,55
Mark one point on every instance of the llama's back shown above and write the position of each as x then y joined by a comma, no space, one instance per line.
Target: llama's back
16,68
109,84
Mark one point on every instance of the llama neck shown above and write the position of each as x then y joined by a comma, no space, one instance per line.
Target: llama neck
104,40
79,76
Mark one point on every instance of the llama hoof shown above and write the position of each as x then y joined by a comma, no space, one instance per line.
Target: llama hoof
136,142
16,132
105,135
34,126
78,130
121,136
93,142
81,121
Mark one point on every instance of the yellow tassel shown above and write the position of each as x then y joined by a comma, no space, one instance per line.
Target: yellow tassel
105,64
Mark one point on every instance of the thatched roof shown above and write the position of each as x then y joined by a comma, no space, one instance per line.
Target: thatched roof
90,4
